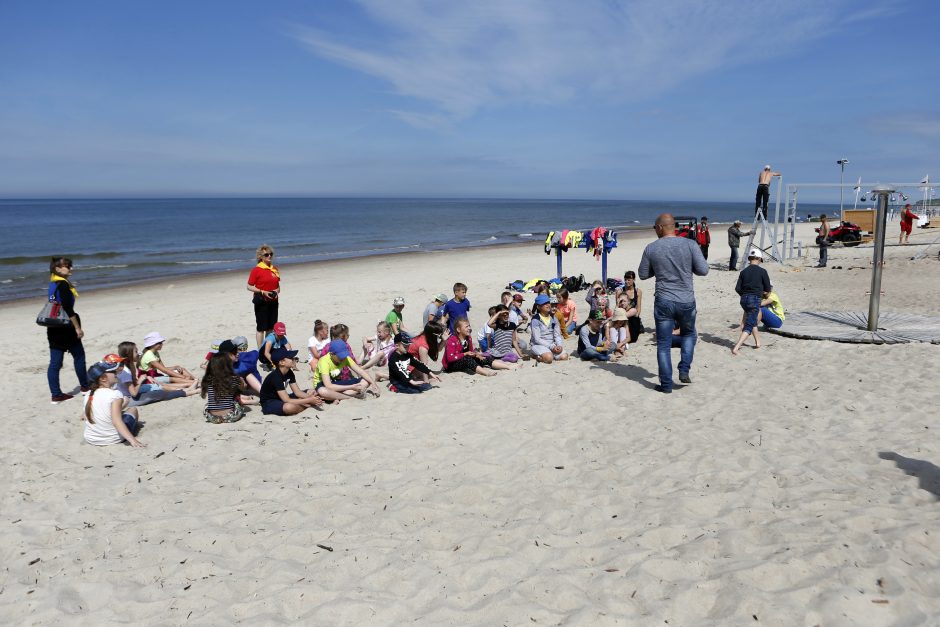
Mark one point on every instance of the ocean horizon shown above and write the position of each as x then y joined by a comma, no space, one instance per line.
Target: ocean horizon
121,241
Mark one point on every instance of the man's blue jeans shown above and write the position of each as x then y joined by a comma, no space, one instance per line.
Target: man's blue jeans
671,315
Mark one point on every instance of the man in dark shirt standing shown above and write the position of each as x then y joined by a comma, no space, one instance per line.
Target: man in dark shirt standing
734,242
673,260
753,283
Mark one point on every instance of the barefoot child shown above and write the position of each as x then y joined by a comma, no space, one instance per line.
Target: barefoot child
402,366
753,282
504,337
152,364
618,334
376,349
460,356
106,421
133,384
280,394
327,379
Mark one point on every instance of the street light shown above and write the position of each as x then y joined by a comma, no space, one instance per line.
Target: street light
842,163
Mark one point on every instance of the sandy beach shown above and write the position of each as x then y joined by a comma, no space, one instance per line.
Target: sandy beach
795,484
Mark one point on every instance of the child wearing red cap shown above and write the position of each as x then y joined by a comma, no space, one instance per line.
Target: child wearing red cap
274,340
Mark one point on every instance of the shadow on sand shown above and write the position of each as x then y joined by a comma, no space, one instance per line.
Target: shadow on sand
629,371
928,475
717,340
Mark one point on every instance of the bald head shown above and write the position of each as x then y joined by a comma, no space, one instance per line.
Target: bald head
665,225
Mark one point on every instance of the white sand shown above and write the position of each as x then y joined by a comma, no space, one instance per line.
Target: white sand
570,493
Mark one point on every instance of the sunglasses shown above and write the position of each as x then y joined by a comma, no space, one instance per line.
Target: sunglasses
268,255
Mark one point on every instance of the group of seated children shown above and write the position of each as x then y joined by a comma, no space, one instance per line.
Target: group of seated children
123,381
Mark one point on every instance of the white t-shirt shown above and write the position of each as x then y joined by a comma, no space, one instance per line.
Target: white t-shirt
386,346
482,333
103,431
320,345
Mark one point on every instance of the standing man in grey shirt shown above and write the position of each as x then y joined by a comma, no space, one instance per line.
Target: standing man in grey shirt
673,260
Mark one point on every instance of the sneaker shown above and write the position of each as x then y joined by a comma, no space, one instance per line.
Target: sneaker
660,388
685,378
58,398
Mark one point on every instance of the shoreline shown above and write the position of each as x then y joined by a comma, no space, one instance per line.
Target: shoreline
625,233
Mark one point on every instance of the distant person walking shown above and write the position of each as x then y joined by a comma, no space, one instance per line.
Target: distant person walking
734,242
265,282
907,223
763,189
703,236
673,260
753,283
64,339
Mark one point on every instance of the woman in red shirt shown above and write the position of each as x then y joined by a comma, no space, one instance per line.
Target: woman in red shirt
265,282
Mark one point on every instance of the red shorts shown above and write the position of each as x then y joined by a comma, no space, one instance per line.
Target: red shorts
906,228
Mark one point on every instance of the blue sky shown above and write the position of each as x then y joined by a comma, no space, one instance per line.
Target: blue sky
644,99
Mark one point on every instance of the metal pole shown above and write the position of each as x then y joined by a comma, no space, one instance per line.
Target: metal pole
841,163
774,250
874,303
558,261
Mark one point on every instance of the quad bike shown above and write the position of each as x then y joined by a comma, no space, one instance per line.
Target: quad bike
847,233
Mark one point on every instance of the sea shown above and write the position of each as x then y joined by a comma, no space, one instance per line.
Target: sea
115,242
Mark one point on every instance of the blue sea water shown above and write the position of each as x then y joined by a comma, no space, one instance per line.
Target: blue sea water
119,241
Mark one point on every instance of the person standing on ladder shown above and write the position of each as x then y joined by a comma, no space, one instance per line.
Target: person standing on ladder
763,189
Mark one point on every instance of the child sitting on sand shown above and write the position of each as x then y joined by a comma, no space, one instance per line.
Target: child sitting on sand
771,310
152,364
402,367
592,339
327,378
273,341
426,347
546,344
394,317
376,349
484,334
133,384
246,364
106,421
318,342
568,312
220,387
505,341
460,356
618,333
280,394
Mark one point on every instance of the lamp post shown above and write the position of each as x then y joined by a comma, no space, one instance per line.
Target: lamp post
841,163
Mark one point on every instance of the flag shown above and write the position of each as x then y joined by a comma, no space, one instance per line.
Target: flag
858,185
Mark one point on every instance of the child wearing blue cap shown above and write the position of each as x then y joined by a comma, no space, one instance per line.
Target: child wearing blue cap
326,377
546,344
108,420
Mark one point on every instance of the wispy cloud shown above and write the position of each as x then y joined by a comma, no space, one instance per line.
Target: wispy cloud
917,124
460,57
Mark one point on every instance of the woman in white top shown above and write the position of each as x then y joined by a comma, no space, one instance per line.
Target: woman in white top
106,422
